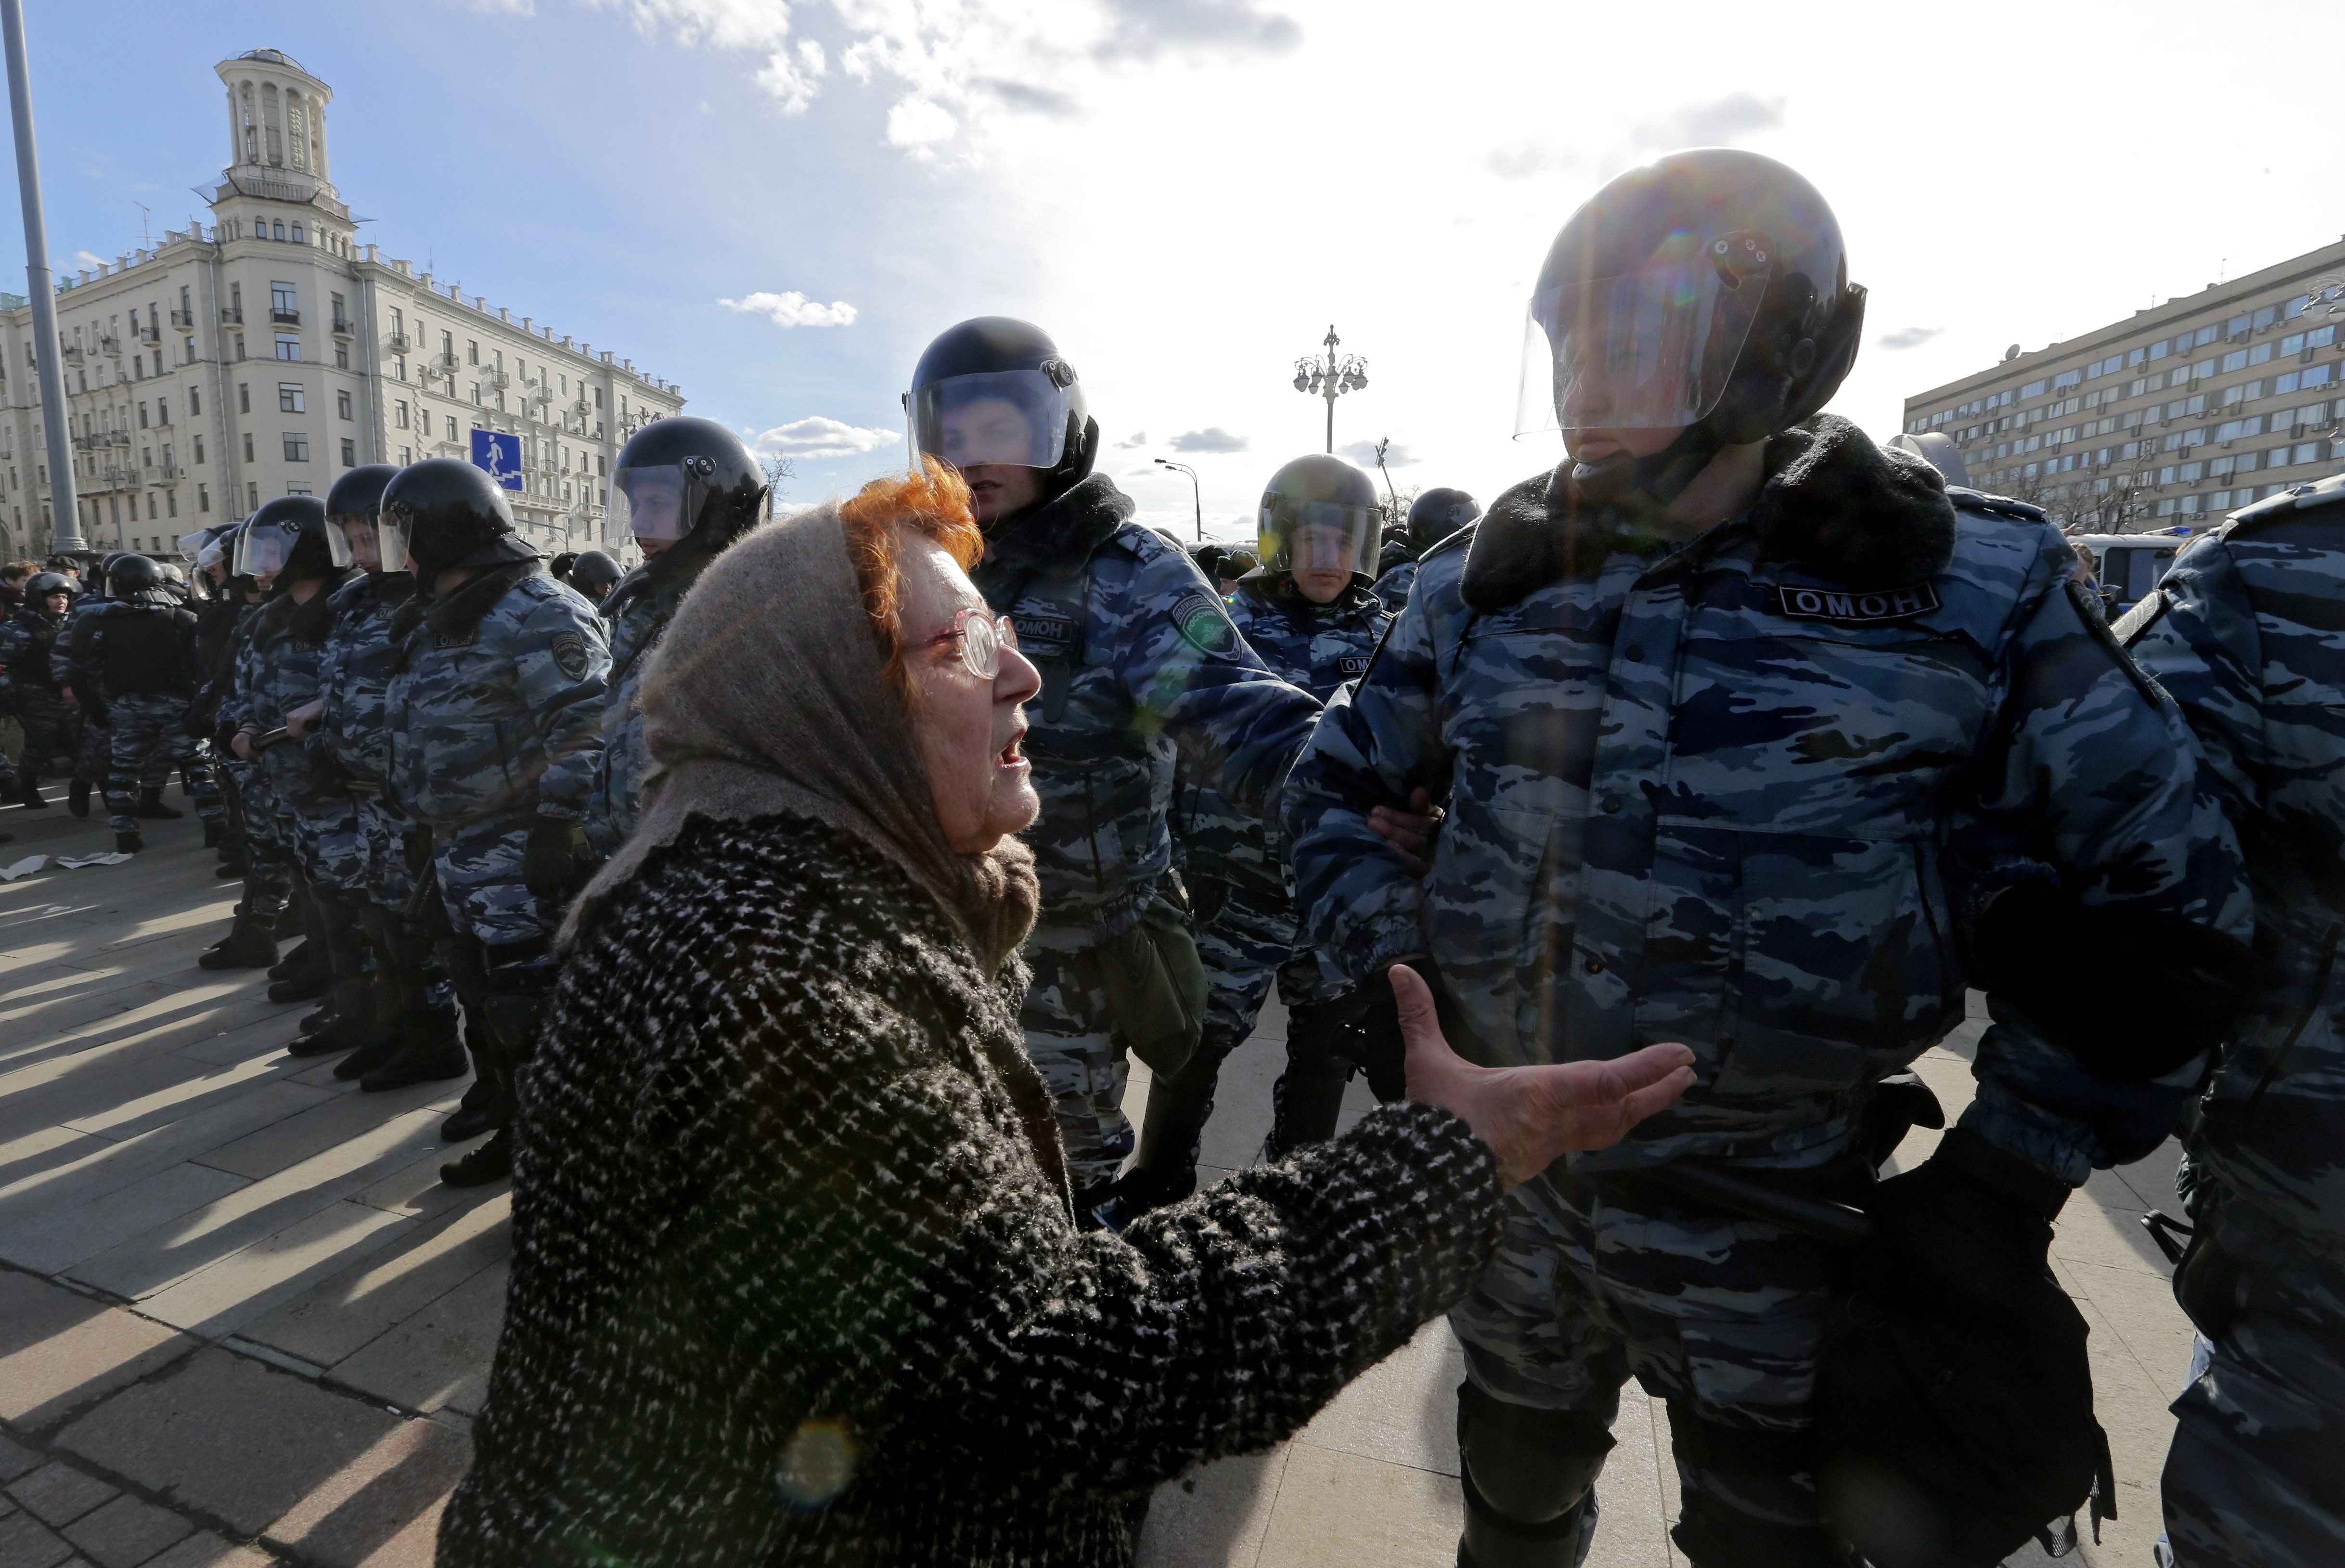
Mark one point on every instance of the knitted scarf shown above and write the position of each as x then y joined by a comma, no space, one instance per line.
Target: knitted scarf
765,697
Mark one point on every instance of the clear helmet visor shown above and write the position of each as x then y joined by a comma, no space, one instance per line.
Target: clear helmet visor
209,556
367,540
192,545
1015,418
659,501
262,548
1648,350
1319,536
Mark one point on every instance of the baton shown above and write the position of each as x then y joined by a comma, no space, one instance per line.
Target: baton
1841,1224
267,738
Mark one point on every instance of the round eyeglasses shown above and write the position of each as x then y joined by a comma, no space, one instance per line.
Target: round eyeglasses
979,638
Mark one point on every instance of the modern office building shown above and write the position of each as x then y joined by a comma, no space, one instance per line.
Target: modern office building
2186,410
267,353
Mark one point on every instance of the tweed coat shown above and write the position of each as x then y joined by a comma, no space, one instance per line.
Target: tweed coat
795,1279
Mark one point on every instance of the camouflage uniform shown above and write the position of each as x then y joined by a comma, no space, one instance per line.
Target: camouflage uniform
2247,632
354,672
493,697
1392,588
638,609
137,665
27,641
1698,794
1234,865
94,757
1140,663
280,664
269,855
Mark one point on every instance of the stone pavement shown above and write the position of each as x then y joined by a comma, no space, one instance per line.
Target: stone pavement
241,1321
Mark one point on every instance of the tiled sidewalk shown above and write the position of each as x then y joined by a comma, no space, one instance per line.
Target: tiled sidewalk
240,1319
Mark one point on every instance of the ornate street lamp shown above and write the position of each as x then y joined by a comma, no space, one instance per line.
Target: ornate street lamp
1330,377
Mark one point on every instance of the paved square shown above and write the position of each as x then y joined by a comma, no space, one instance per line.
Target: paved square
241,1321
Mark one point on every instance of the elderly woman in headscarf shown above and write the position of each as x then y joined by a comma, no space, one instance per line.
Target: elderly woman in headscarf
796,1277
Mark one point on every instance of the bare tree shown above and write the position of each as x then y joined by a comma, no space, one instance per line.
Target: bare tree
779,473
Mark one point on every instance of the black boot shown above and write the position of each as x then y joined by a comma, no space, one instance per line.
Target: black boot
28,793
490,1162
342,1023
427,1050
247,945
485,1105
128,844
214,834
78,797
293,963
308,980
150,805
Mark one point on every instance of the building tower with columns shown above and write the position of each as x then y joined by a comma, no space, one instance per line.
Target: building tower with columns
265,353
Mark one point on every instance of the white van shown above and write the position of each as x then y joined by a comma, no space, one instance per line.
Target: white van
2132,563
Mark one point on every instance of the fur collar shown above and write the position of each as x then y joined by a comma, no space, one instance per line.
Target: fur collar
1832,503
455,616
1067,529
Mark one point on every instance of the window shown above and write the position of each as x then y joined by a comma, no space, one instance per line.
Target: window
2206,335
283,304
406,456
476,391
297,447
598,391
2309,452
2236,359
2064,379
472,351
350,452
2157,350
251,497
142,416
342,404
247,446
341,356
239,346
289,346
2287,383
2317,377
2203,368
243,398
297,488
290,398
399,414
203,497
195,402
451,427
199,450
2321,337
280,229
2265,317
448,344
2033,388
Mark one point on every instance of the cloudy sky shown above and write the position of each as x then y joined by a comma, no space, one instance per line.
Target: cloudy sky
777,203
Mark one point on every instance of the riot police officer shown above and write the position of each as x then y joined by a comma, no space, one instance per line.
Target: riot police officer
593,573
1751,740
27,641
1138,661
1310,612
2241,632
684,488
94,756
136,668
403,1030
495,695
1432,517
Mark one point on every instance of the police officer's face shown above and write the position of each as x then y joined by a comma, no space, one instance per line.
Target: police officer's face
1595,446
968,728
990,428
366,548
58,604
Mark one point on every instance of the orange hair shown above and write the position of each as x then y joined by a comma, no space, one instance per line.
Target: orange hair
933,504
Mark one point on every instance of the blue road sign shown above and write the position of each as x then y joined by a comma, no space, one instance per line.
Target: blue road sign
500,454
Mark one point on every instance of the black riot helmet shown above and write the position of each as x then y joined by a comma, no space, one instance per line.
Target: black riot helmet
452,514
559,567
1706,293
1319,511
1438,513
355,530
996,390
41,585
687,478
593,573
137,579
287,537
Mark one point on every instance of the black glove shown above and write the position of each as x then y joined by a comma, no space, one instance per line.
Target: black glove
1383,1053
224,738
549,865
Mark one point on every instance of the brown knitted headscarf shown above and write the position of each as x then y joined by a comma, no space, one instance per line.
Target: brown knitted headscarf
766,695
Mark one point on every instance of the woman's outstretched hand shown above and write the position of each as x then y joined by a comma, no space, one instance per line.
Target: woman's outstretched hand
1529,1115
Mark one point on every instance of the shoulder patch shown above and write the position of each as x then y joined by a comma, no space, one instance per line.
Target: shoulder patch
569,655
1848,608
1203,622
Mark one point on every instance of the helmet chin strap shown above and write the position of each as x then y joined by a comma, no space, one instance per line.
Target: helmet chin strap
1658,479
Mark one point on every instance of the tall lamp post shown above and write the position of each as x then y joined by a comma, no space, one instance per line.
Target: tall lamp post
1196,495
1330,377
65,506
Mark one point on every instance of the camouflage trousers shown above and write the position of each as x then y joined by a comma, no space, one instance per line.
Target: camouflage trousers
1070,1036
268,858
327,841
1722,1317
96,754
478,867
52,730
2256,1473
147,738
386,880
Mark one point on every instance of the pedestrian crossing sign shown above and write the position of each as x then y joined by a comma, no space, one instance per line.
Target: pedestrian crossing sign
500,454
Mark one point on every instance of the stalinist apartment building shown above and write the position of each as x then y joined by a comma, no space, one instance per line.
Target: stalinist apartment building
268,353
2186,410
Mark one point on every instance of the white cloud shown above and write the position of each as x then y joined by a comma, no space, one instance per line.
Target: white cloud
91,259
817,437
1211,439
1397,455
1907,338
792,309
738,27
1139,439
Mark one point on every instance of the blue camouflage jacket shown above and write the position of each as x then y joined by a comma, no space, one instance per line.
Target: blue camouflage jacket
494,701
1138,661
1699,794
2247,632
1392,588
27,639
1316,647
637,612
277,671
355,675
